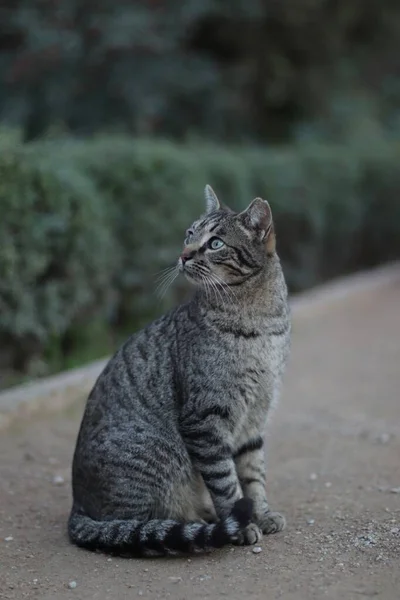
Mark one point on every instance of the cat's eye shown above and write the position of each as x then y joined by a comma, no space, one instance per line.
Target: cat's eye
215,243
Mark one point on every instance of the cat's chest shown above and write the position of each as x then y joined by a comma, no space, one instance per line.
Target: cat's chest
259,365
255,371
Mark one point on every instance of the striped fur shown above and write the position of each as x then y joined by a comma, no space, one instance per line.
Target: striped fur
157,537
172,434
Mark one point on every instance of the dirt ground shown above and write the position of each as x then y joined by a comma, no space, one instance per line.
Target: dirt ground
334,470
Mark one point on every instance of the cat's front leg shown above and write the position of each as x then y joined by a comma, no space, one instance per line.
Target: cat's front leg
215,463
206,433
250,466
211,454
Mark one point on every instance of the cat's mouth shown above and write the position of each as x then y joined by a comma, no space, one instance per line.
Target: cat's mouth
191,272
192,276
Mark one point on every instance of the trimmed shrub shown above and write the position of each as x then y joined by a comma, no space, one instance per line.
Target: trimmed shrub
85,225
56,256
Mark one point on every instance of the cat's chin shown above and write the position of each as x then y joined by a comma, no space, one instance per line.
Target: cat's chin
192,279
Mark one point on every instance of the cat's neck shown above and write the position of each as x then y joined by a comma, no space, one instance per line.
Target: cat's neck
261,295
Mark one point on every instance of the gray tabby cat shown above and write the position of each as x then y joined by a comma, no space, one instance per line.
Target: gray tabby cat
169,457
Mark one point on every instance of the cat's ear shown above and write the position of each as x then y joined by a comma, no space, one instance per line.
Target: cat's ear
212,202
258,218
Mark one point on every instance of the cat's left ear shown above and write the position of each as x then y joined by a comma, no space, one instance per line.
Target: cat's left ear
258,218
212,202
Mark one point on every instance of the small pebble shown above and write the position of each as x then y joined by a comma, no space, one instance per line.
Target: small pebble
384,438
395,530
310,521
175,579
72,585
257,550
395,490
58,480
9,538
313,476
328,484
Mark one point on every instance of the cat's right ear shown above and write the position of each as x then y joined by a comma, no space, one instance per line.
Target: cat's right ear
258,218
212,202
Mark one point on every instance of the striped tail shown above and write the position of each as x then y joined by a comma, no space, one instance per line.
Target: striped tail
157,537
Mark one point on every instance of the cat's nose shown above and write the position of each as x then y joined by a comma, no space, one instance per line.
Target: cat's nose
187,254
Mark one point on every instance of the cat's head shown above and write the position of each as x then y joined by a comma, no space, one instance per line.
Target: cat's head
226,247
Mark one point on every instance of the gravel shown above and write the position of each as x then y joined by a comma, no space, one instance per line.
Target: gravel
58,480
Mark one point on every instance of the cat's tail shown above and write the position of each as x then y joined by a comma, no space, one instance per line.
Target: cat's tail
157,537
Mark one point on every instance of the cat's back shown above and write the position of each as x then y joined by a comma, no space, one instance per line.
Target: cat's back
138,383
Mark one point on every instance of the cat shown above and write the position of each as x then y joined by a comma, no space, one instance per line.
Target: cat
169,458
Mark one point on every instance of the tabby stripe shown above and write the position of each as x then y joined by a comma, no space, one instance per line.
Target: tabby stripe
247,252
228,266
220,464
215,411
222,474
235,269
128,369
214,227
201,436
250,480
249,276
208,459
213,218
250,446
239,333
254,471
281,331
242,259
228,490
239,256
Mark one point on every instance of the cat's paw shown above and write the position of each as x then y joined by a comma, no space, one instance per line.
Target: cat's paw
248,536
271,522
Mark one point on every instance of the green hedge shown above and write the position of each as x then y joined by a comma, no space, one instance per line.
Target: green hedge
85,225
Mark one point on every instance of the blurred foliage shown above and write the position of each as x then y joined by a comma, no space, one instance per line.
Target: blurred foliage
86,225
243,69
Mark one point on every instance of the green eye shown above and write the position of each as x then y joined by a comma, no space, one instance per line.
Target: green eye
215,243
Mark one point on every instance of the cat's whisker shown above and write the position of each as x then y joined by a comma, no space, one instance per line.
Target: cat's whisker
169,282
165,272
205,283
224,287
161,274
164,279
213,283
204,274
166,283
216,290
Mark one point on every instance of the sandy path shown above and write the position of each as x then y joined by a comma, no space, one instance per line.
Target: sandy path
334,470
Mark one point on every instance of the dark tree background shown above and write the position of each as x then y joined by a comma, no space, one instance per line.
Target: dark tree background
224,69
